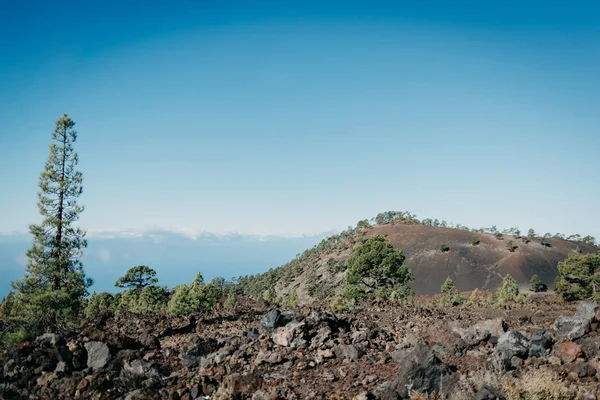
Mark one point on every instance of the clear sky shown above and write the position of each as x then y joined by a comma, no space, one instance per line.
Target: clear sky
297,117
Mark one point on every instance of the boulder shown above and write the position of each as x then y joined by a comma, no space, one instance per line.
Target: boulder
481,331
193,357
540,342
291,335
275,319
138,371
571,328
420,369
510,344
98,355
569,352
347,352
585,370
587,310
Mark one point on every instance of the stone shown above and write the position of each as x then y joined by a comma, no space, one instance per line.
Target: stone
540,342
553,360
275,319
286,335
489,393
347,352
572,328
98,355
420,368
587,310
569,352
585,370
253,333
193,357
510,344
481,331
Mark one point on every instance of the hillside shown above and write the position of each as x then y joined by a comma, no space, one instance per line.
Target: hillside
474,259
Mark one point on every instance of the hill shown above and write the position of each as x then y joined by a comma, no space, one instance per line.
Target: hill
472,258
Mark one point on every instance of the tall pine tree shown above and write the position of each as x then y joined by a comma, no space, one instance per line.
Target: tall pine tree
50,295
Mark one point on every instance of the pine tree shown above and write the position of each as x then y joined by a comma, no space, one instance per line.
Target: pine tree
50,295
536,284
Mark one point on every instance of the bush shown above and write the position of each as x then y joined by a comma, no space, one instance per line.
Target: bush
511,246
450,297
100,304
343,304
444,248
475,241
536,285
578,277
196,297
231,302
270,295
375,268
476,298
150,299
509,291
498,235
292,298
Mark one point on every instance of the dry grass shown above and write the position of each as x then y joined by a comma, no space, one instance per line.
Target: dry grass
539,384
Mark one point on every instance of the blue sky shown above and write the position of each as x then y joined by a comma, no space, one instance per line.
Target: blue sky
302,117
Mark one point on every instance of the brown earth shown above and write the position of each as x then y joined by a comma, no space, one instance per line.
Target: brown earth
481,266
381,351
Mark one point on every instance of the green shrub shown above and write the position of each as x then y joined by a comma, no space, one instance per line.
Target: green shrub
578,277
343,304
196,297
475,241
270,295
450,296
231,302
100,304
536,284
150,299
509,291
292,298
376,267
511,246
498,235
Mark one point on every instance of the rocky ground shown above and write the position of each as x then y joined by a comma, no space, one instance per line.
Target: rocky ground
545,349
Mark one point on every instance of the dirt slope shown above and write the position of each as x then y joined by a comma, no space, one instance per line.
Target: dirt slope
470,266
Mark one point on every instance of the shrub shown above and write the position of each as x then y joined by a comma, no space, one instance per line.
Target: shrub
100,304
498,235
508,291
292,298
150,299
444,248
376,267
450,297
475,241
335,266
578,277
231,302
343,304
536,285
270,295
545,243
511,246
476,298
525,239
196,297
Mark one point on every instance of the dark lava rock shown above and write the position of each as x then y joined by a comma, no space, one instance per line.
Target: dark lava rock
540,342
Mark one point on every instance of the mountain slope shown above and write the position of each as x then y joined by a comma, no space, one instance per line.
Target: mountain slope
319,272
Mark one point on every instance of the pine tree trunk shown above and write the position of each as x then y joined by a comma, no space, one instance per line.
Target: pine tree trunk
61,195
